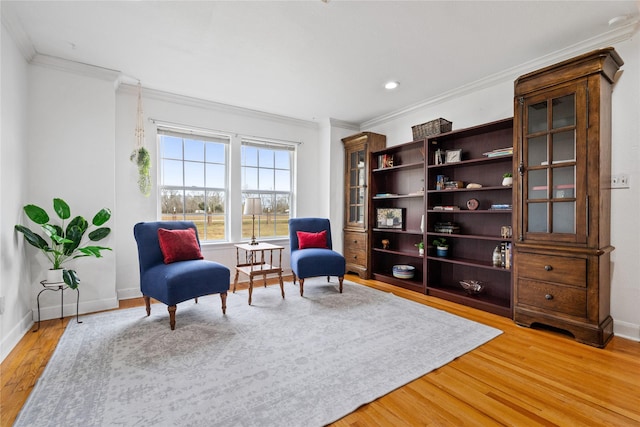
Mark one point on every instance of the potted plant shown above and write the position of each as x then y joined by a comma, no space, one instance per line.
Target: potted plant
142,159
420,247
65,242
442,247
507,179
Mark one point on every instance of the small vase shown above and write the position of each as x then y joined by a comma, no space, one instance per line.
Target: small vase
421,251
54,275
507,182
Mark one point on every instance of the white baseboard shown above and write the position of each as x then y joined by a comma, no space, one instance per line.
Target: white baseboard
14,336
128,293
69,308
626,330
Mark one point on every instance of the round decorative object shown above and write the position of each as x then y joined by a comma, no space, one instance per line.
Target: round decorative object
472,204
403,271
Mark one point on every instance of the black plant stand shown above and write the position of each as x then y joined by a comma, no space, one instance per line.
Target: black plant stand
55,287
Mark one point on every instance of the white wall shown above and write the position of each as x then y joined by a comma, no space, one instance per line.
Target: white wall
133,207
14,174
496,102
71,155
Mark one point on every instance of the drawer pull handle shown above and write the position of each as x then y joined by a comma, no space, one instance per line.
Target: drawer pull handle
355,241
548,297
548,268
355,257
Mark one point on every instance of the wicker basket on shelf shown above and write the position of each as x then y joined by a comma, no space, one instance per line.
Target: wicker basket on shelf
432,127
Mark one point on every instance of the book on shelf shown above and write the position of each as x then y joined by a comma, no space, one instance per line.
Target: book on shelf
507,151
446,208
499,207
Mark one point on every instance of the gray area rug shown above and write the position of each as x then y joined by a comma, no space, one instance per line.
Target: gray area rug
293,362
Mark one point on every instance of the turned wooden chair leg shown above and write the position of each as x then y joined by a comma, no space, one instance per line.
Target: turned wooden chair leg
340,279
223,297
147,304
294,277
172,316
328,279
301,286
196,298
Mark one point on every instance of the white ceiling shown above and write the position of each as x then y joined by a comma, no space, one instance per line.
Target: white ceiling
310,59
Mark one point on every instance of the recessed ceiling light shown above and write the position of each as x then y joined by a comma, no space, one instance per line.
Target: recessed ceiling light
391,85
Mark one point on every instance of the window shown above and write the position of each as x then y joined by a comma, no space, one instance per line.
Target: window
267,173
193,181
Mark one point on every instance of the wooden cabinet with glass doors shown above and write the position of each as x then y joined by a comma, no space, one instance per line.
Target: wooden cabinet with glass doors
356,197
562,199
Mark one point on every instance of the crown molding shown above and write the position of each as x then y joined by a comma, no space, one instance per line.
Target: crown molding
606,39
159,95
79,68
17,32
337,123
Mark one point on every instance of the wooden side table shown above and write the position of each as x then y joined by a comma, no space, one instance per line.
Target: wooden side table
57,286
254,263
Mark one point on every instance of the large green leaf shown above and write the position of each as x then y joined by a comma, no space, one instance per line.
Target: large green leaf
71,278
92,251
36,214
55,233
101,217
99,234
62,208
74,236
33,238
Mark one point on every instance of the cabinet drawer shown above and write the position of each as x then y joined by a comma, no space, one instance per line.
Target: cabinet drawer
355,248
565,270
563,299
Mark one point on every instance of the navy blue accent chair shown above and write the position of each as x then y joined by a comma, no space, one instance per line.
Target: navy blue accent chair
179,281
314,262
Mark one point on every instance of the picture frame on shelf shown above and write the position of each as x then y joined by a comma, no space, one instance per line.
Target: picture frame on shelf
390,218
453,156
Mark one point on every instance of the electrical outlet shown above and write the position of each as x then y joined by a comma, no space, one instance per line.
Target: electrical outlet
620,181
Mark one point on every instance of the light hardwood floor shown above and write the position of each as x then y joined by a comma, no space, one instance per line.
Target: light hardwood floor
524,377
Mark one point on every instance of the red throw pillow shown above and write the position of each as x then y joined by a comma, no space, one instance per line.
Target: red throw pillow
179,245
312,240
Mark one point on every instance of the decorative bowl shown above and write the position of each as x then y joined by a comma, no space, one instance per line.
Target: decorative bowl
472,287
404,271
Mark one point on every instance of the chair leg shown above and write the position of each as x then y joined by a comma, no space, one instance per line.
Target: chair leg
294,277
340,279
328,279
147,304
172,316
223,297
196,298
301,286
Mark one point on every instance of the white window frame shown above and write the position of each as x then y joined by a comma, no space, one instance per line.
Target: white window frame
266,194
198,136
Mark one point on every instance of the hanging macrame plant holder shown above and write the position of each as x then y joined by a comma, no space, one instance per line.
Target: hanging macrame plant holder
140,155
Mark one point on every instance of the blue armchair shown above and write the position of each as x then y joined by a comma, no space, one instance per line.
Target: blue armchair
178,281
310,259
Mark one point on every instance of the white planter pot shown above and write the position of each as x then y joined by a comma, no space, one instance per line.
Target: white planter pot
507,182
54,276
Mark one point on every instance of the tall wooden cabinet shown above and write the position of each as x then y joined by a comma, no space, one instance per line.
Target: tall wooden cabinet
562,200
357,149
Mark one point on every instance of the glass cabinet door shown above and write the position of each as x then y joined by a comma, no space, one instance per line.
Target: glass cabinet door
357,185
553,165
